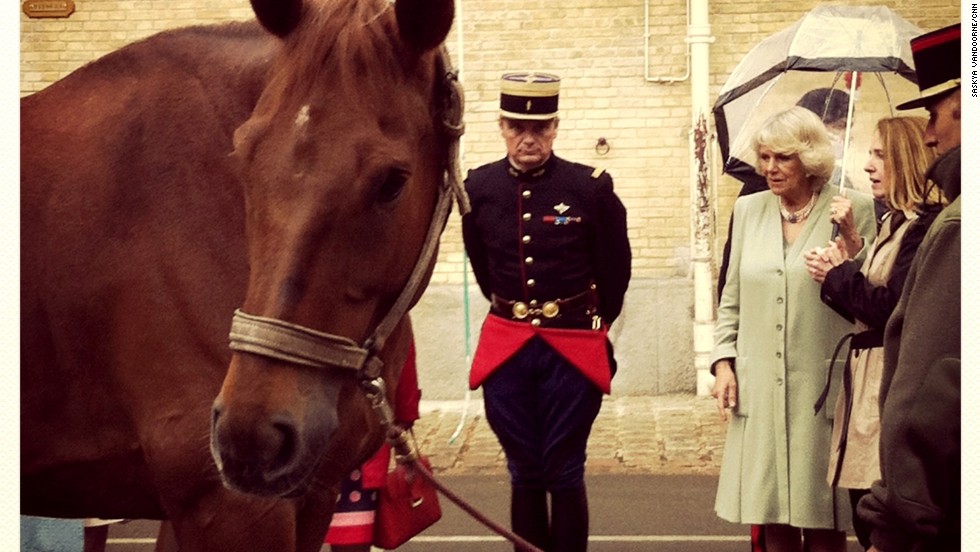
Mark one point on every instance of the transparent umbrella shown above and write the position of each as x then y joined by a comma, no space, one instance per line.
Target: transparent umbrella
854,61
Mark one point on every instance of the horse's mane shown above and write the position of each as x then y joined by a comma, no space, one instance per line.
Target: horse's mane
349,49
346,36
223,53
185,46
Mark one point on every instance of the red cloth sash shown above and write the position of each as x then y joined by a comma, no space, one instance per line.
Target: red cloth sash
500,339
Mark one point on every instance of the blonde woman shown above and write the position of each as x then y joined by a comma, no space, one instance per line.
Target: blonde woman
867,293
774,339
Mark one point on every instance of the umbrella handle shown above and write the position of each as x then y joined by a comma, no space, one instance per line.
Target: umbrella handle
834,225
847,131
847,145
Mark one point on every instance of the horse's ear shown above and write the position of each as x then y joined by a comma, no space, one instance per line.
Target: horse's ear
424,24
279,17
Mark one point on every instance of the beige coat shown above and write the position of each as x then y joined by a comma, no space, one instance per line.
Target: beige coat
860,462
772,322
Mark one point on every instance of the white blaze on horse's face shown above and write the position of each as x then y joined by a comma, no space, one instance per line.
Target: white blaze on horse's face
302,118
341,162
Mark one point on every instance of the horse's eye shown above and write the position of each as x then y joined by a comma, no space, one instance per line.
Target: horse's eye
392,186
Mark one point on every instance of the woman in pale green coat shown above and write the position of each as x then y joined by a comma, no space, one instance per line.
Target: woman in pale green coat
774,339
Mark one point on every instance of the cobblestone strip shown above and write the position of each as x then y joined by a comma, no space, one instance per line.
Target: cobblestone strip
663,434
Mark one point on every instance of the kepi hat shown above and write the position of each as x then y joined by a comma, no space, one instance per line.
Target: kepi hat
529,95
937,64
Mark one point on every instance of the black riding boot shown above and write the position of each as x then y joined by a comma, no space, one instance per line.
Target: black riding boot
529,516
569,520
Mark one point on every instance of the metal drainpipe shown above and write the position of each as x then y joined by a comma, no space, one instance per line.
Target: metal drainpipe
646,49
460,58
699,39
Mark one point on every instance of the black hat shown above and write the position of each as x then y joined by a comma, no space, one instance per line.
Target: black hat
830,104
937,64
529,95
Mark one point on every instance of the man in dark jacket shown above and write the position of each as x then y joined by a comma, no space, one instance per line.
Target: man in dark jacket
916,505
547,242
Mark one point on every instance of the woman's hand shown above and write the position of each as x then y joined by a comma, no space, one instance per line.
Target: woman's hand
820,260
725,389
816,265
842,213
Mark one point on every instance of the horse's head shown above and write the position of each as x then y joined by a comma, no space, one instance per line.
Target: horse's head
342,162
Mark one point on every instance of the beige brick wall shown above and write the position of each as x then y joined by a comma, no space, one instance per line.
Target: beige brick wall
596,46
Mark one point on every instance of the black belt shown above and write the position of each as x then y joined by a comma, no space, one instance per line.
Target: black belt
579,310
868,339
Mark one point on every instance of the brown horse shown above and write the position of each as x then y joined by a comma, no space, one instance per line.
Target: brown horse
290,169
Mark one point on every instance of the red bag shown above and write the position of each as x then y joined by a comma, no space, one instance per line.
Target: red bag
407,505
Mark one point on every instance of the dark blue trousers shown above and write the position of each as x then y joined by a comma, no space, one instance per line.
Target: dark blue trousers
542,408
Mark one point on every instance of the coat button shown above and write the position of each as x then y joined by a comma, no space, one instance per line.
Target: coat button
779,355
531,282
779,327
526,239
528,260
535,321
526,217
526,194
778,299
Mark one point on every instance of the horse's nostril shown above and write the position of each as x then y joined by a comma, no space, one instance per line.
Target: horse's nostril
287,444
215,413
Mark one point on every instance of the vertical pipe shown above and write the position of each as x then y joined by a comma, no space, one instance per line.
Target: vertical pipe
646,49
468,356
699,38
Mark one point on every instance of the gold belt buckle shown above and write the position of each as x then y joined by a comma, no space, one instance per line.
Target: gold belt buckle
519,310
550,309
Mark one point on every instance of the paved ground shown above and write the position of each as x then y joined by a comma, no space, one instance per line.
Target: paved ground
642,450
665,434
652,466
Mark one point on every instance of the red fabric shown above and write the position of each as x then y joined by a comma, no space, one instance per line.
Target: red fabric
354,517
929,40
500,339
375,469
408,394
362,533
758,539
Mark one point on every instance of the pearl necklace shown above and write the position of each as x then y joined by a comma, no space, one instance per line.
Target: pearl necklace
800,215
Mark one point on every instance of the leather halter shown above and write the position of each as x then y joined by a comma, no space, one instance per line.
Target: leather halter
281,340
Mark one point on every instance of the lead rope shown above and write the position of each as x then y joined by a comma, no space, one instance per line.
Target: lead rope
407,454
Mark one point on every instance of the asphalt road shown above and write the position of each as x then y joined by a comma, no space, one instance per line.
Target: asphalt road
629,513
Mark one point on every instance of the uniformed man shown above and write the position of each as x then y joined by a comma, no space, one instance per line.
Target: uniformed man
547,242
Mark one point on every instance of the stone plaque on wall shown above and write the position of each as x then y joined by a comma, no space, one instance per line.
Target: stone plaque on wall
49,8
